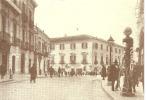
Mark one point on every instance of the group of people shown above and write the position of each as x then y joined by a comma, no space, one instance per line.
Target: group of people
51,72
113,74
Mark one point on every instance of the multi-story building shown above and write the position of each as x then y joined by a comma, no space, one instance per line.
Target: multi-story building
83,52
42,50
140,32
18,35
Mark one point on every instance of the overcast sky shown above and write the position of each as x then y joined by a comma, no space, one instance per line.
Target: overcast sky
93,17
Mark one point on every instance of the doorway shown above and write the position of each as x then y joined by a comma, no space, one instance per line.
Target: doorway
22,63
13,64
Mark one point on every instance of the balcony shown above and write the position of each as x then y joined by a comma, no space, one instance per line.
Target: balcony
24,45
5,36
13,5
16,41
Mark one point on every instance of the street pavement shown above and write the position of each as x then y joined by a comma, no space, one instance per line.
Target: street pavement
64,88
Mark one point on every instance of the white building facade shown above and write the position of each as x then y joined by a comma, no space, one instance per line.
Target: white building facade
83,52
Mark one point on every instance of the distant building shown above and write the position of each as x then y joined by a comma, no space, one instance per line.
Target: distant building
42,50
83,51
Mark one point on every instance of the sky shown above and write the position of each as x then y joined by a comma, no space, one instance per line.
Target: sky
100,18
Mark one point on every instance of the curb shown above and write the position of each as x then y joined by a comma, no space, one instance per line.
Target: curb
17,81
111,97
6,81
106,91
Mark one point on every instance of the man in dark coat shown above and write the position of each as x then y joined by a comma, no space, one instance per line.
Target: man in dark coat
59,71
113,75
117,76
33,73
51,71
103,72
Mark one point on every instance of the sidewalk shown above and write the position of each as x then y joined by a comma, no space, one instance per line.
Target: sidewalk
116,95
18,78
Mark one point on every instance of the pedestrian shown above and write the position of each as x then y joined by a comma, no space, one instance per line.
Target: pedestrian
72,72
108,73
112,75
51,72
33,74
103,72
59,71
117,77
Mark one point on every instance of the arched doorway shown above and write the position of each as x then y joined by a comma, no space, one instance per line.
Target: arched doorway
4,49
3,68
13,64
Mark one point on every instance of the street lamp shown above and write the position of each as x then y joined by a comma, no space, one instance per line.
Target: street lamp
110,42
127,86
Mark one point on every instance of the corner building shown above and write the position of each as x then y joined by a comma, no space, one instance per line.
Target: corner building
83,52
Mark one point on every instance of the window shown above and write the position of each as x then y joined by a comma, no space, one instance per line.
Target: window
119,59
73,46
102,61
119,51
84,45
107,48
52,60
107,59
95,45
84,61
101,46
14,31
61,46
52,47
62,59
72,58
95,60
115,50
23,35
3,23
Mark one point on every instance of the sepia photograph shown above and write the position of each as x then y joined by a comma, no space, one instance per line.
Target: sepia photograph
71,49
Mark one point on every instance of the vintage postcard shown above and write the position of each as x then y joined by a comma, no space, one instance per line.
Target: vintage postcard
71,49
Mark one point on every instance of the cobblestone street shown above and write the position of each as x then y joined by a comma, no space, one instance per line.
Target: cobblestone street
65,88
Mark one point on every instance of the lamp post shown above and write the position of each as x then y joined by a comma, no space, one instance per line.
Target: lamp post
127,86
110,42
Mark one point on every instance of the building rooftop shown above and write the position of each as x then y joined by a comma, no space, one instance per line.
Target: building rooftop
77,38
